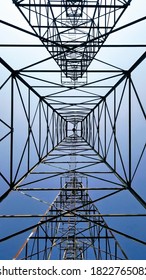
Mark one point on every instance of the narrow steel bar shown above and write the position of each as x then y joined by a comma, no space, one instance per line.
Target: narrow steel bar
12,132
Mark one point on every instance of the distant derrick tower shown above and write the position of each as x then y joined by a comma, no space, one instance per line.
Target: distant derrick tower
72,140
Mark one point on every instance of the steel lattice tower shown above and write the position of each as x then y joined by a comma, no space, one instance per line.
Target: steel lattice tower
72,160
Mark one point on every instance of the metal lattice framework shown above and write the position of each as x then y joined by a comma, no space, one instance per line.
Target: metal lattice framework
72,132
72,31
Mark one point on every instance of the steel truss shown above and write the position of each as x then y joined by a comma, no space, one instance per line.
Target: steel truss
73,142
71,228
72,31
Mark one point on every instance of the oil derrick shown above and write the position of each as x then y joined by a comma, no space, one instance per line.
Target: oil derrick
72,123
